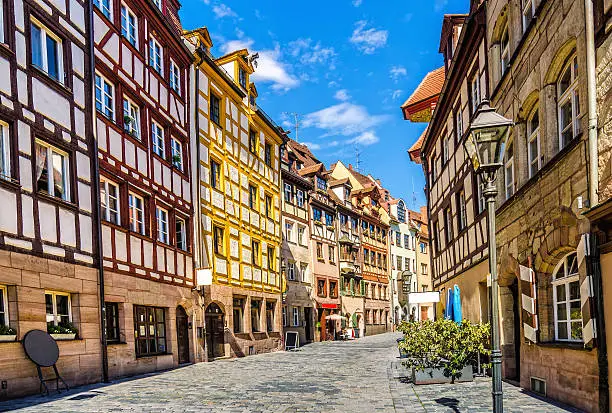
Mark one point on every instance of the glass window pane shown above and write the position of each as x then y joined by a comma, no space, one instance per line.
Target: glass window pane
52,58
62,305
152,346
575,310
161,345
161,330
49,307
574,290
561,292
562,331
577,330
565,81
36,47
562,312
42,174
59,184
141,346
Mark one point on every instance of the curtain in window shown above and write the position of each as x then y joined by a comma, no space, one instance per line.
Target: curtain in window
42,177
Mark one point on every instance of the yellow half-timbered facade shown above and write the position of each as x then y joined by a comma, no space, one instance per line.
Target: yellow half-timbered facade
239,179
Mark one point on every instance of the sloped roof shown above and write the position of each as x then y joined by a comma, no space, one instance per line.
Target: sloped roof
415,149
307,170
430,86
302,153
336,182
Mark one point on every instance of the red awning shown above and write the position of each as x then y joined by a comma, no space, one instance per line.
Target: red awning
331,306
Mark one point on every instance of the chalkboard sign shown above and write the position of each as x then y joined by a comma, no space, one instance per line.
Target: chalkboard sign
292,340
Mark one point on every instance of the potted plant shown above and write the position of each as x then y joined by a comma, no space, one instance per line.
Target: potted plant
62,331
442,351
7,333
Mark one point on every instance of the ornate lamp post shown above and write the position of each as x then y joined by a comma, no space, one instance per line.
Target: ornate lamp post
407,287
485,146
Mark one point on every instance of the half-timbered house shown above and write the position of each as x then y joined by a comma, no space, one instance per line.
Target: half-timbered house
48,276
142,125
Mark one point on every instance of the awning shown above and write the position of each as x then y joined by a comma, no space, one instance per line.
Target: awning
335,317
330,306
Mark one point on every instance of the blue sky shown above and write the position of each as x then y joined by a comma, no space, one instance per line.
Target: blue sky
344,66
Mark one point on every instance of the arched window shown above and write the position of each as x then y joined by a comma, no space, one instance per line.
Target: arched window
533,142
509,170
566,299
504,49
568,102
401,211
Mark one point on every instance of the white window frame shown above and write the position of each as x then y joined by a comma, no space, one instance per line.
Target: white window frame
129,29
158,3
158,139
528,10
570,95
462,213
1,22
163,234
65,168
105,199
504,50
156,56
132,111
5,149
44,33
533,137
176,147
181,243
445,150
291,270
304,272
175,77
475,91
301,232
509,173
136,213
296,317
105,100
459,123
299,198
105,6
565,280
288,193
55,315
289,231
4,308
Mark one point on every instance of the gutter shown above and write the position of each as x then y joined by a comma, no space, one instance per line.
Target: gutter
96,188
591,103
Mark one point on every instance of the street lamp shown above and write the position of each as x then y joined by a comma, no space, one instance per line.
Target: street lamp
485,146
407,287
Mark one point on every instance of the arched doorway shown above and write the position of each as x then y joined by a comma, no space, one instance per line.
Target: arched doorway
182,335
215,331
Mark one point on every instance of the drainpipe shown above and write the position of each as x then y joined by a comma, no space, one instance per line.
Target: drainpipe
592,103
96,188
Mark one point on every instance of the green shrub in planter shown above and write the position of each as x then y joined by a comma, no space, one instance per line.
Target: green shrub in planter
63,328
7,331
443,344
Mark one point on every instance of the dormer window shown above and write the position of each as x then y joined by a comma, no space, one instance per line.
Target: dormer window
242,77
321,184
347,193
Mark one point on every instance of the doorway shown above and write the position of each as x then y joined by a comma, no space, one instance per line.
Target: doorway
215,331
424,313
182,335
308,323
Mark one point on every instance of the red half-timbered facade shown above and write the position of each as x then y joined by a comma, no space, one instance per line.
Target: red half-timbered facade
142,104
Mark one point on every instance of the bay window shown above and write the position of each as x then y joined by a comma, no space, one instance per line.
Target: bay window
52,168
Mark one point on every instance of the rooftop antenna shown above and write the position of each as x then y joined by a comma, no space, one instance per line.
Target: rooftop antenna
296,120
414,198
358,159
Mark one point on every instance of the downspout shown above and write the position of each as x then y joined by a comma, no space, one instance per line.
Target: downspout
591,103
96,189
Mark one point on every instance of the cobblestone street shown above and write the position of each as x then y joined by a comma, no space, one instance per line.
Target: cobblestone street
322,377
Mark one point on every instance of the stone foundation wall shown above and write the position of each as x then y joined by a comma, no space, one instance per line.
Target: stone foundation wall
26,278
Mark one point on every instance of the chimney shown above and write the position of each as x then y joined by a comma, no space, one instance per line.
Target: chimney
350,167
424,213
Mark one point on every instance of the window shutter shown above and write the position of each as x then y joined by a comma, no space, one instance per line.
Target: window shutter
589,329
529,303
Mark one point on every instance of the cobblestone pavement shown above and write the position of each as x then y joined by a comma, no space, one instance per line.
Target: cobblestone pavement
322,377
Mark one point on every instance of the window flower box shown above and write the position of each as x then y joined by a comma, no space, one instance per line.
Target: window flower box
331,227
61,337
63,331
7,338
7,333
318,223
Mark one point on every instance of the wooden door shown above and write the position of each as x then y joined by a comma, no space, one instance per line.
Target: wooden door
182,335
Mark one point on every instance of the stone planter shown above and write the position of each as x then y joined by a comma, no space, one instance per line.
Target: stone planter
8,337
436,376
60,337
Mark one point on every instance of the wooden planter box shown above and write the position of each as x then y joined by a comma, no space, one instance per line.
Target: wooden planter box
7,337
436,376
60,337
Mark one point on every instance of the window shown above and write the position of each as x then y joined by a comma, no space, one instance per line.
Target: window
445,149
136,207
129,25
301,230
406,263
332,254
354,223
399,263
321,184
181,234
423,248
5,149
255,253
533,143
59,308
112,322
253,141
458,123
461,210
406,241
317,214
347,194
131,118
158,3
52,168
321,292
242,77
4,319
105,93
291,271
284,316
288,193
149,330
333,289
175,77
255,319
304,272
401,212
218,240
509,170
177,153
215,109
215,175
157,136
268,154
566,297
423,269
155,56
480,203
271,258
475,91
109,198
253,196
528,13
104,6
504,46
329,219
436,237
296,317
1,22
299,196
162,224
448,228
320,251
270,315
268,205
46,51
289,231
569,103
238,312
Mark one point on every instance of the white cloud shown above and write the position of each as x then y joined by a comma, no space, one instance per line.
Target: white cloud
357,3
343,119
221,10
310,53
312,146
396,72
368,40
366,138
332,83
207,2
270,68
342,95
396,94
440,4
